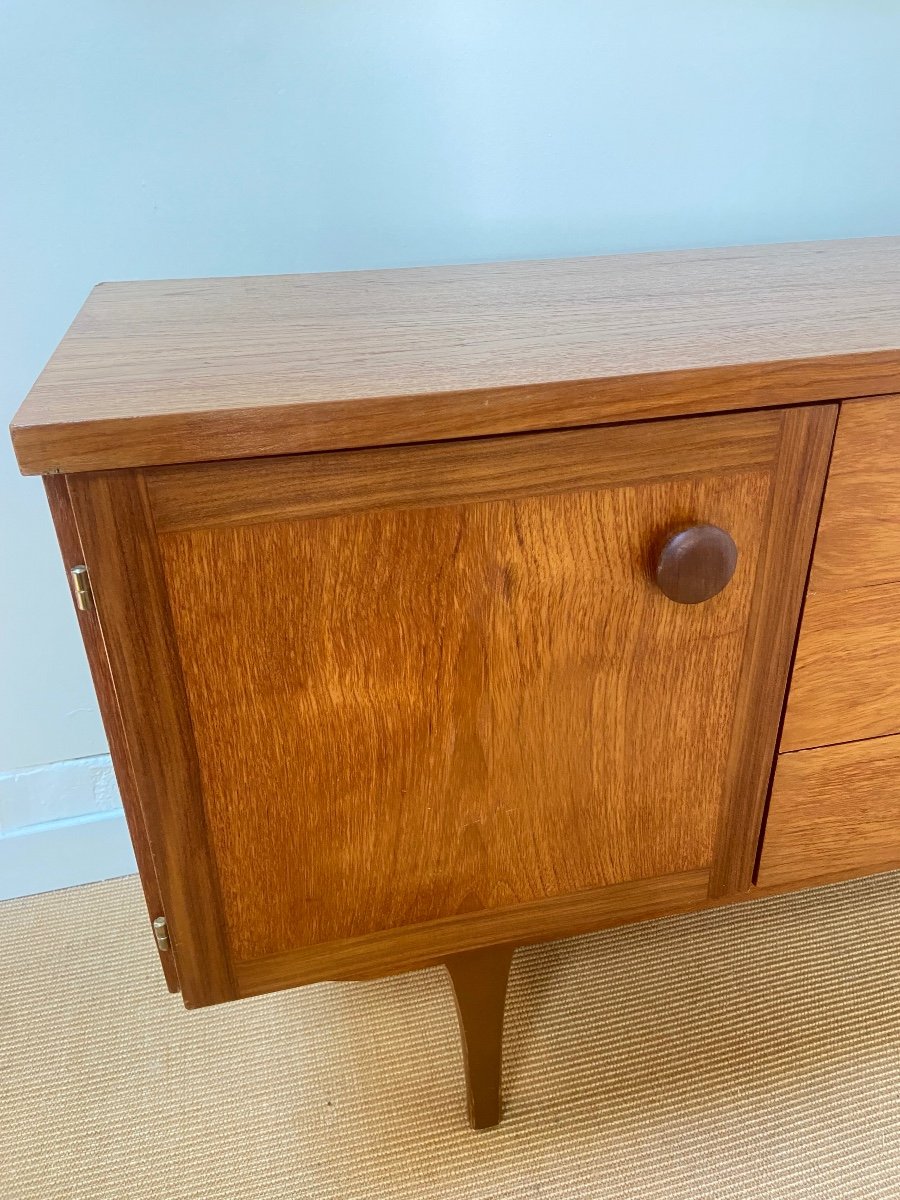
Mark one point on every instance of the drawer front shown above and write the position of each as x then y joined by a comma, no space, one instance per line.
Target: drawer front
859,539
833,811
846,679
436,687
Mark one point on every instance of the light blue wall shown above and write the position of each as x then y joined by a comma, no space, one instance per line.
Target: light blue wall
211,137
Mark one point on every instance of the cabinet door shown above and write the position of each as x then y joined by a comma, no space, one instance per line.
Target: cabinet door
387,704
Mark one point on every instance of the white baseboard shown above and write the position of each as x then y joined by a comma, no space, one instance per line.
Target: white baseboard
61,854
61,825
78,787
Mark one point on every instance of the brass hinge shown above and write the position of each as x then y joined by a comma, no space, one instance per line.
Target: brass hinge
81,589
161,933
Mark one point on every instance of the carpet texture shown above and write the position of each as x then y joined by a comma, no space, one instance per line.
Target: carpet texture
740,1053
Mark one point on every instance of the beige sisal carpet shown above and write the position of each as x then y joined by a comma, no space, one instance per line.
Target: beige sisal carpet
742,1053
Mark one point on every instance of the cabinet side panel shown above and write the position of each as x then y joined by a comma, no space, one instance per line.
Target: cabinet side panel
120,551
72,554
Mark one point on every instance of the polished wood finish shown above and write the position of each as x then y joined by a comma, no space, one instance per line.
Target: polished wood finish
384,567
413,946
521,466
193,370
859,535
481,693
695,563
833,810
797,885
794,505
472,705
132,609
846,680
479,981
98,662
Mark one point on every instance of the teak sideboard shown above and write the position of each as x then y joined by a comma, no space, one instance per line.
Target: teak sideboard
434,612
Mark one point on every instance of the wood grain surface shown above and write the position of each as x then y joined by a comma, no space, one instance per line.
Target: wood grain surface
378,954
180,371
409,714
859,535
120,551
412,713
479,980
536,464
798,480
846,679
373,955
98,662
833,810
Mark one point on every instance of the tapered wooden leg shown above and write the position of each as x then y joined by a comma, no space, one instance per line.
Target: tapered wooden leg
479,980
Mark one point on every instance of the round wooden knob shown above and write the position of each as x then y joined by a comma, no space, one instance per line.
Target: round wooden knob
696,563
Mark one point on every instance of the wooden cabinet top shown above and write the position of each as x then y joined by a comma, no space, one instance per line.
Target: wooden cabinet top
193,370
